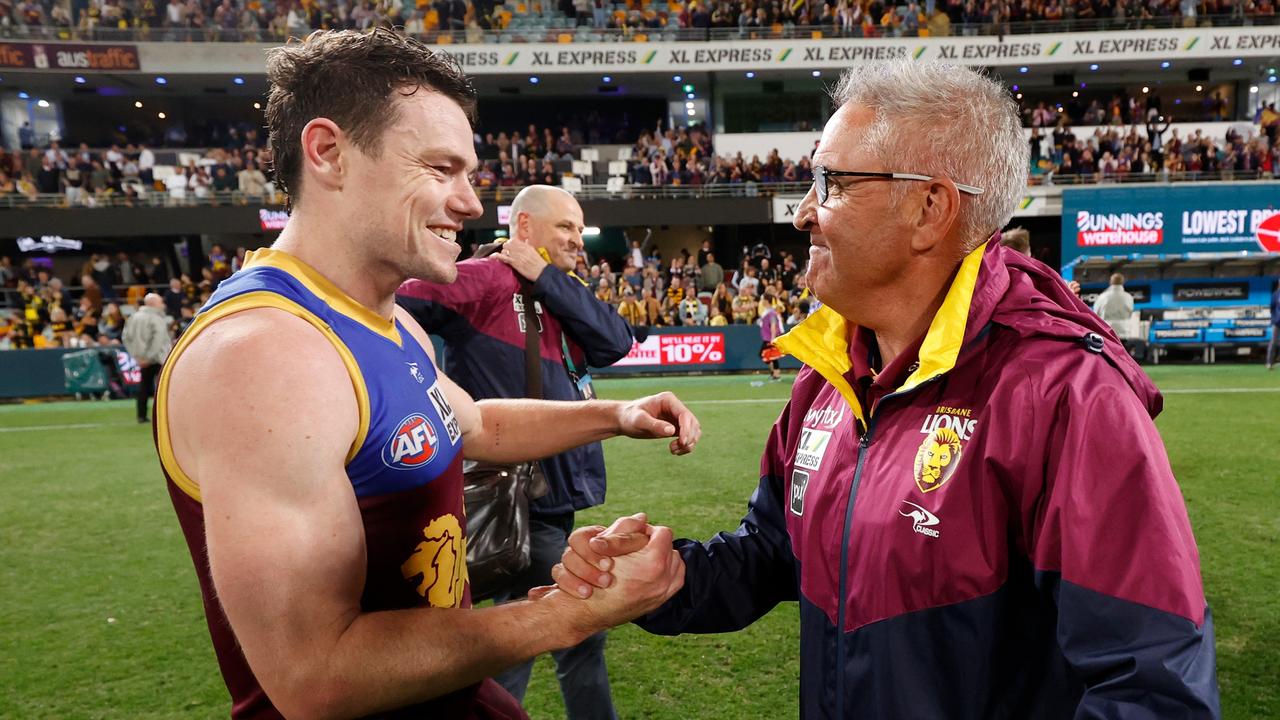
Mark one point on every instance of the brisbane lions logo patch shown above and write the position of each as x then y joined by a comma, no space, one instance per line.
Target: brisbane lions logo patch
945,433
412,445
440,560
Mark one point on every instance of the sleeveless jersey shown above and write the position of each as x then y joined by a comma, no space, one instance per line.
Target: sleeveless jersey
405,467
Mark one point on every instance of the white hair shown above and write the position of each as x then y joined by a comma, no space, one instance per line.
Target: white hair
946,121
534,200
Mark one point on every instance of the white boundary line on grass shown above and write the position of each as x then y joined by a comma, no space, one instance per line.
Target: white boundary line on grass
735,401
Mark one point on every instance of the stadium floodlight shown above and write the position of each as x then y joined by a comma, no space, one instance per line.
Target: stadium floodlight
676,78
80,80
690,95
161,115
533,79
1271,79
238,80
1237,62
1253,89
590,231
1023,69
607,78
1019,96
137,104
161,81
688,104
688,88
1145,89
1016,88
691,112
1093,66
1199,88
42,103
257,106
750,75
1165,64
23,96
1075,93
817,73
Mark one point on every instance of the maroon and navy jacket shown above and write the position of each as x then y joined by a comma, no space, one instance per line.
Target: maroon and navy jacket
995,533
480,316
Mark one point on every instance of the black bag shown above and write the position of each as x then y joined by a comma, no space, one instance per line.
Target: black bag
497,497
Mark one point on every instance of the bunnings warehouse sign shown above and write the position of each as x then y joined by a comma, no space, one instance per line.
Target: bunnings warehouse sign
1171,220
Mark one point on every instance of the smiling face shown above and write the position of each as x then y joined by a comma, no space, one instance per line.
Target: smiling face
857,238
416,191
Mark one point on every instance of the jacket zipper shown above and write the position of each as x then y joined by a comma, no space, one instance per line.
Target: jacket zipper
863,443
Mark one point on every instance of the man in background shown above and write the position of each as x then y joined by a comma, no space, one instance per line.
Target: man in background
146,337
482,320
1017,239
1114,304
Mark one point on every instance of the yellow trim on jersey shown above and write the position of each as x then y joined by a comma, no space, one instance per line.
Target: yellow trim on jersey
249,301
822,343
942,343
323,288
822,340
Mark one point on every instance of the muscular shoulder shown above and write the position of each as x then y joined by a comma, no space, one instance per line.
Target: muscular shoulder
257,373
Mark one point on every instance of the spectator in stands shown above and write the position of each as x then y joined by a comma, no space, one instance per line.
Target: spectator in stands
1114,304
92,292
745,306
712,275
674,295
1017,239
174,299
111,326
252,183
692,311
146,337
1275,327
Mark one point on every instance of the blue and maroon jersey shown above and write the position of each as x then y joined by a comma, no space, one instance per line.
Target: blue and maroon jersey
989,528
405,467
481,318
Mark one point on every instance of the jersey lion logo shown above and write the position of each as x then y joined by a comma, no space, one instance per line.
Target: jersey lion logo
936,459
441,561
412,445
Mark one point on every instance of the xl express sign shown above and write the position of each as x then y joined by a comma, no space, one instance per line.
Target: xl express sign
1171,220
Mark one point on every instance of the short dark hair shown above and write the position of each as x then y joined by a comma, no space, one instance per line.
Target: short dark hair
350,77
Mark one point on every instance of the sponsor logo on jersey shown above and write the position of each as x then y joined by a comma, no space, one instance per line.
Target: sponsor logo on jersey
799,481
445,411
813,446
441,561
413,444
922,521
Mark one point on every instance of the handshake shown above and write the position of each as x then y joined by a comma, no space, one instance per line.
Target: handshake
610,576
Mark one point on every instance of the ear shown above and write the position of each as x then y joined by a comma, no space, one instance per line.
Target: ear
936,217
322,145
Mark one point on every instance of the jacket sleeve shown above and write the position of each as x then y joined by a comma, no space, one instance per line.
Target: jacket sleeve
592,325
1111,542
736,578
447,309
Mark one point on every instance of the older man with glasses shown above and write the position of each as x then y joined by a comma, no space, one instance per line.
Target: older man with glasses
966,494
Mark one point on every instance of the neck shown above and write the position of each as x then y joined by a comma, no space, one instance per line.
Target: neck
321,243
915,306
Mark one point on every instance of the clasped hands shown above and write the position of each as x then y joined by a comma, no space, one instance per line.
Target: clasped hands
620,572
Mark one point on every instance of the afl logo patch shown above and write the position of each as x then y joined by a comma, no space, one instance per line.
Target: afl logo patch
412,445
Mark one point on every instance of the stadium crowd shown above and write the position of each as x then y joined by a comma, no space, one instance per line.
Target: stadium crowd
127,173
696,290
261,20
39,310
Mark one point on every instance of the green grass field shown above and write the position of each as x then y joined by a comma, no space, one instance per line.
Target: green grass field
100,615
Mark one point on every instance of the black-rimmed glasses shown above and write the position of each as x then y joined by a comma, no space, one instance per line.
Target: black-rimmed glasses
820,175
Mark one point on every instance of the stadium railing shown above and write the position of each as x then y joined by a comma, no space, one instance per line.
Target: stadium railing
158,198
561,30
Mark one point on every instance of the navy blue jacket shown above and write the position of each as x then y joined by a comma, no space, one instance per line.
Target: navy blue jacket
479,317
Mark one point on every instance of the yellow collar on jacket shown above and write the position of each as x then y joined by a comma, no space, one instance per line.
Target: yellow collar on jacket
822,340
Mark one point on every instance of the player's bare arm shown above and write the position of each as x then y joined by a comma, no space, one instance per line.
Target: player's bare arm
497,430
286,542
